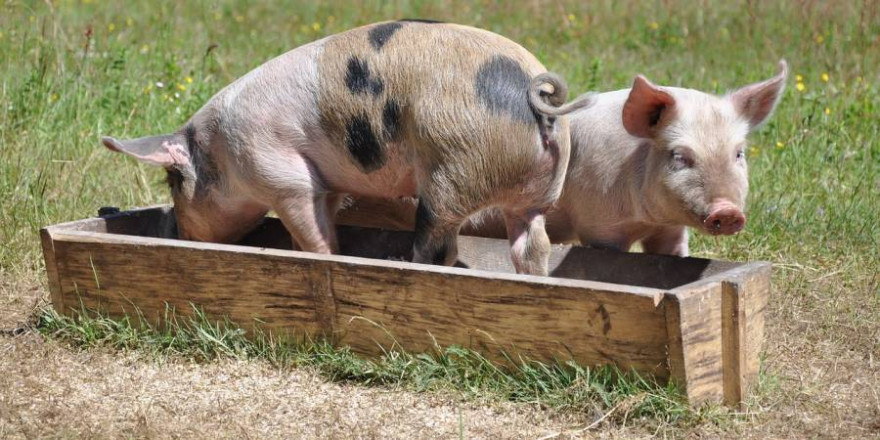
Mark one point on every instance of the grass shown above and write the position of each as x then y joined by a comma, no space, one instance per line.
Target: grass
560,386
71,71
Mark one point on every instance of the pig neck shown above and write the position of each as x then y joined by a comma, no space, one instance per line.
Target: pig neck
607,199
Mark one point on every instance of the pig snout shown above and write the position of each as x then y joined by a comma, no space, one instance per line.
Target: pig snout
724,218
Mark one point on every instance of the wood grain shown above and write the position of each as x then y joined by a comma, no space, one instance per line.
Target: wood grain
361,302
416,309
695,341
745,293
118,276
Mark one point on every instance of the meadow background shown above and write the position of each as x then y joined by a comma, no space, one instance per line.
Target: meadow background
72,71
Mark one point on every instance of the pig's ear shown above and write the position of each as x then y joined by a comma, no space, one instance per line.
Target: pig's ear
165,151
755,102
646,105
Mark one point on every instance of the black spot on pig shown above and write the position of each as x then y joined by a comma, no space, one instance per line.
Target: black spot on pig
207,174
189,132
502,86
358,79
376,87
380,34
391,120
363,144
419,20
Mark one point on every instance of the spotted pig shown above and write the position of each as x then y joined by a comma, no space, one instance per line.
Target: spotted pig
461,118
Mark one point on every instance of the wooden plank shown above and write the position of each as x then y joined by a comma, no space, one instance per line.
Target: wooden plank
307,257
119,277
368,300
745,293
416,309
695,341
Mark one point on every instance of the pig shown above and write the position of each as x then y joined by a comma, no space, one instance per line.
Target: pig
461,118
646,163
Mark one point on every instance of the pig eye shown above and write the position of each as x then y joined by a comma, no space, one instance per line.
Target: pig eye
740,155
680,161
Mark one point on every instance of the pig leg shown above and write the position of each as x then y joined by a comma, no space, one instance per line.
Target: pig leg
306,215
668,241
436,235
529,244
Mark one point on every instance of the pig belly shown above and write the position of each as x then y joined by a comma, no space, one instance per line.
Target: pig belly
396,179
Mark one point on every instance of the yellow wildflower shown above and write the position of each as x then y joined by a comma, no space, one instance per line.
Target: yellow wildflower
819,39
800,87
129,22
571,17
827,111
799,78
654,25
145,48
32,19
825,77
754,151
316,26
111,27
239,18
779,144
1,35
181,87
189,80
53,97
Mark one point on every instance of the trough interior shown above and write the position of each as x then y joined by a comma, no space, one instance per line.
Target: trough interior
566,261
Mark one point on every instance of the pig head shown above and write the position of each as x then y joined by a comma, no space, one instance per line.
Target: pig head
650,161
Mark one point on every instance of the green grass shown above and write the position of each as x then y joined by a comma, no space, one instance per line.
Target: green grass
73,71
561,386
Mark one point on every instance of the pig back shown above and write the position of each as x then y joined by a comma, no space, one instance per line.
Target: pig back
445,93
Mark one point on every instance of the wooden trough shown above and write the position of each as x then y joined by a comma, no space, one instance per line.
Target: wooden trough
695,321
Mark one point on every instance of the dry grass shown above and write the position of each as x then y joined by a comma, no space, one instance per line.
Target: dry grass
50,391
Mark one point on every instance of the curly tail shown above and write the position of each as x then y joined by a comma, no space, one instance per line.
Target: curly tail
547,94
